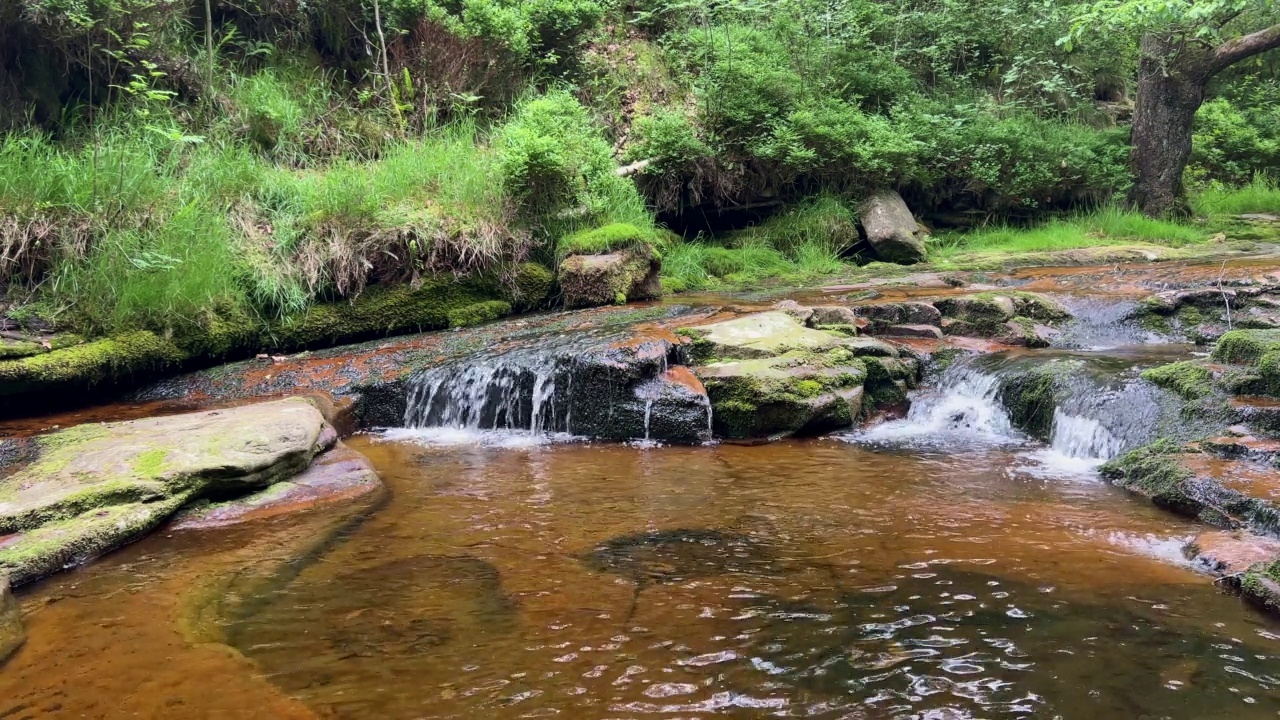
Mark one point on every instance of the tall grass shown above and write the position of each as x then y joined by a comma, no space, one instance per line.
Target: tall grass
1107,226
1262,195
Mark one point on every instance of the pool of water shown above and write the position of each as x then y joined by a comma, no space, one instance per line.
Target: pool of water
831,578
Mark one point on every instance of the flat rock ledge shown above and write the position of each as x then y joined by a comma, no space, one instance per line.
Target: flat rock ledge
339,475
87,490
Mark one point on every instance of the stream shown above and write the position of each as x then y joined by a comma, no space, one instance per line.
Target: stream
942,565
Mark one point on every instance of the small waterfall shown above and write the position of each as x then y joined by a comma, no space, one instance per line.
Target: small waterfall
1083,438
517,391
961,407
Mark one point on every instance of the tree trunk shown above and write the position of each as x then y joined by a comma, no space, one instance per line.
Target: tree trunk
1172,77
1169,95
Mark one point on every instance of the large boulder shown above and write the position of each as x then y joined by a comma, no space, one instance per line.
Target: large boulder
612,278
892,230
795,393
92,488
767,374
11,633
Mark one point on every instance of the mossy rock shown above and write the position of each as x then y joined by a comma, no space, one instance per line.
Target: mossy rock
1259,351
436,303
613,278
113,360
773,333
1012,316
530,286
140,471
1156,471
1190,379
799,392
1032,393
1260,586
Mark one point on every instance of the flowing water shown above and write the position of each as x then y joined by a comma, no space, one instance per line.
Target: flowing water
938,567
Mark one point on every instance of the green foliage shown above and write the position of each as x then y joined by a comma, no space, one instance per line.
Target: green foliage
542,31
610,238
820,227
1233,141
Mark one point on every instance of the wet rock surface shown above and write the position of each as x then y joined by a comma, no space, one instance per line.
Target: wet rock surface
92,488
11,632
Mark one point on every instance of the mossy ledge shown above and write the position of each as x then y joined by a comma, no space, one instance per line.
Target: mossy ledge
128,358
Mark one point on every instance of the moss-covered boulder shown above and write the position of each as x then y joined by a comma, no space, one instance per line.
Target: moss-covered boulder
1190,379
1166,473
608,265
92,488
11,633
797,392
1257,353
614,278
1031,392
768,374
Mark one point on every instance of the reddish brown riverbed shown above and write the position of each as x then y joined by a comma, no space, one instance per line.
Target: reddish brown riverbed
803,579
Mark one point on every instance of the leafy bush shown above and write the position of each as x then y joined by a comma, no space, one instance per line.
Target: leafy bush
823,223
1231,143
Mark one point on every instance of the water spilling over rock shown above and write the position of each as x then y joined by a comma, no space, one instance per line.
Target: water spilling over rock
592,385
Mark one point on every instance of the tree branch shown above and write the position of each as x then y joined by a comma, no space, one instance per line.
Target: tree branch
1233,51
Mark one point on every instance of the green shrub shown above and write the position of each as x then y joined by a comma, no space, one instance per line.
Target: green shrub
823,224
1231,143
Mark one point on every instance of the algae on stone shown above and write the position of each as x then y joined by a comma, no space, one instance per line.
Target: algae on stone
94,487
797,392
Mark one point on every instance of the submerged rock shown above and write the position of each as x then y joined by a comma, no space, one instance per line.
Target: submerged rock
11,632
665,556
93,488
891,229
614,278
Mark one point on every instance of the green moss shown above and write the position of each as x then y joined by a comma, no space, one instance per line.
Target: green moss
110,360
1154,471
608,239
383,311
1246,347
1189,379
1032,394
530,285
150,463
1260,585
477,313
19,348
48,549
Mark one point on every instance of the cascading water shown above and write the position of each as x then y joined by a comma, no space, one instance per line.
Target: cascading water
506,399
961,407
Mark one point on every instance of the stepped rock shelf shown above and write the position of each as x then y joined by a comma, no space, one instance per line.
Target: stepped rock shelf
258,441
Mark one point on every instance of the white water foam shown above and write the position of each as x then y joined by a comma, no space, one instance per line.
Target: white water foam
962,409
452,437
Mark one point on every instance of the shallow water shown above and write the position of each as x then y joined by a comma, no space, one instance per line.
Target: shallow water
826,579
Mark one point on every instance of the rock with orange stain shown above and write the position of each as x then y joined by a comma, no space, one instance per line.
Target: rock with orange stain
1227,553
11,633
